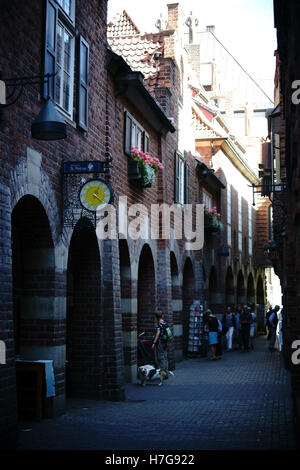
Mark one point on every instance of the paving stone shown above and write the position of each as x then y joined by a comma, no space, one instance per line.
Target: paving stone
240,402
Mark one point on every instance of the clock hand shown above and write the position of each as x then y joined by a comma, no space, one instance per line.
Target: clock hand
97,197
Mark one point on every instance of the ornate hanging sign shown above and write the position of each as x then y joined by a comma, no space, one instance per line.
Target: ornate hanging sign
84,192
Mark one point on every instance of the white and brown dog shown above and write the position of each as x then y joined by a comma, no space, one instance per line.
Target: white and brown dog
148,372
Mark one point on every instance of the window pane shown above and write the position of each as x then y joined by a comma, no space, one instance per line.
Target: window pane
50,68
67,52
66,92
58,84
83,105
59,45
83,63
133,135
181,181
139,138
66,6
51,27
65,68
228,235
207,199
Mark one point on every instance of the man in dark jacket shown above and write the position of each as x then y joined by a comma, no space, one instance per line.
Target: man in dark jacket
273,320
160,348
245,321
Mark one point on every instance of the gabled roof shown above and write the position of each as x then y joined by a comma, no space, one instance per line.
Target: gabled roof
138,50
203,127
122,25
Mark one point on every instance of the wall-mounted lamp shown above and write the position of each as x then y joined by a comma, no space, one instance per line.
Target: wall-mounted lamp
48,125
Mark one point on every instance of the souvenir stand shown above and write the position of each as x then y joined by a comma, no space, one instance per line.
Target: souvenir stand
196,329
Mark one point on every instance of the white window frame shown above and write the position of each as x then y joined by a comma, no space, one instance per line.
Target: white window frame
181,179
137,133
207,199
250,229
228,214
61,72
240,224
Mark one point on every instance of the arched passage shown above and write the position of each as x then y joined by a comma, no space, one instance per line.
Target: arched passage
250,290
188,295
128,317
33,269
229,288
260,296
84,370
146,293
240,289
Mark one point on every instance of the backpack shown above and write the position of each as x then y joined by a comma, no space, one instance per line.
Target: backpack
166,333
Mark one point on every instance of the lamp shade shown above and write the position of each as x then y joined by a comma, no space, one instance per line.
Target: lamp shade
49,125
223,251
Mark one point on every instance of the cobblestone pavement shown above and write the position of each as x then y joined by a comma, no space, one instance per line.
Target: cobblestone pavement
240,402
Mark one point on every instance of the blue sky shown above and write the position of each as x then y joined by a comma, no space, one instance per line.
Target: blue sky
245,27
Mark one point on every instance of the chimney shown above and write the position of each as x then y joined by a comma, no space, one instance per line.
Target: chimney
211,28
175,17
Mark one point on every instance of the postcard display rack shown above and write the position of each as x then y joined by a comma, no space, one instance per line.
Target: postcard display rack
196,327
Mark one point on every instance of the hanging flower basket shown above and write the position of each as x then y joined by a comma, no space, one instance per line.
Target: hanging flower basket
143,168
212,220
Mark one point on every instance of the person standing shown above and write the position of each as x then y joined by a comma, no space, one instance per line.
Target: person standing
245,321
160,347
252,327
273,320
228,320
238,325
268,314
213,326
219,345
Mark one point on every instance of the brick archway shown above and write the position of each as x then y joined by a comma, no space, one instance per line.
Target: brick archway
250,290
240,289
36,329
176,306
229,288
146,293
84,327
260,296
128,312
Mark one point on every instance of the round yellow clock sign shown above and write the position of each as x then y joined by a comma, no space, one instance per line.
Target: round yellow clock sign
95,194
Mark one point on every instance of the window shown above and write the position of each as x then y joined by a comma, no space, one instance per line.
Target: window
179,182
207,199
64,68
240,224
83,83
134,135
68,6
186,183
59,59
250,230
229,215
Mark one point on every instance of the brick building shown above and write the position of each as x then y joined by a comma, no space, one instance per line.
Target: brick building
69,295
216,163
284,172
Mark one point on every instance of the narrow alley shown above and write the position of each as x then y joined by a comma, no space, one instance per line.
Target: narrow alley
240,402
